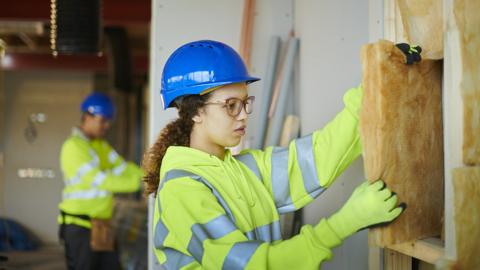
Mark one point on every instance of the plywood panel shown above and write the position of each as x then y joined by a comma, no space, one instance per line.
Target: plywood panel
467,18
466,182
422,25
401,131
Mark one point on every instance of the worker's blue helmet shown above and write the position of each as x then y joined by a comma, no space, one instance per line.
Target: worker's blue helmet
201,65
98,104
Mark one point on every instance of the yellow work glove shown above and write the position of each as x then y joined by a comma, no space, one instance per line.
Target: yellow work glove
370,204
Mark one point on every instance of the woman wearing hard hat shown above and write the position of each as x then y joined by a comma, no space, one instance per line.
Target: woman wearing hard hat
214,210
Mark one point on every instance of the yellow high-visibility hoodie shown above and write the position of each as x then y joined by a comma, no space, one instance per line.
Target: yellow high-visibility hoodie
224,214
92,172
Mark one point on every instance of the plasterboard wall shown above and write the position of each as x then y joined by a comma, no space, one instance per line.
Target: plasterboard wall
33,201
331,34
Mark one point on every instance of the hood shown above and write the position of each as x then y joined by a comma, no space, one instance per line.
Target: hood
182,156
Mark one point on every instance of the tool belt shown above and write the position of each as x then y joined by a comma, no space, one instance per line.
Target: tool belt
63,214
101,233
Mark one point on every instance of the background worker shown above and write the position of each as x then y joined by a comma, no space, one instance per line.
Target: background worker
218,211
93,171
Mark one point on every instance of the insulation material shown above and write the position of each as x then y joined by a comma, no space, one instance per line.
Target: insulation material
422,25
467,18
402,135
466,182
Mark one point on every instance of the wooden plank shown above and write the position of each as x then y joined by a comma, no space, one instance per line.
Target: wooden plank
401,131
466,182
246,31
397,261
245,50
291,130
425,266
393,27
419,18
429,250
467,19
453,121
375,254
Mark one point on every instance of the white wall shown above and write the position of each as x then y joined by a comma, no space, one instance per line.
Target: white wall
34,201
331,34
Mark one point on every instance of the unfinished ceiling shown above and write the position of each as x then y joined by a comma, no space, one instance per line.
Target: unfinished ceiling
25,28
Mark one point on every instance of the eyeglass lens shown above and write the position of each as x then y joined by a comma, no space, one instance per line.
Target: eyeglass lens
234,106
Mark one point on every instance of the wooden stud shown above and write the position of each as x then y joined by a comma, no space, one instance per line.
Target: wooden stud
375,254
466,182
429,250
247,30
468,24
393,27
397,261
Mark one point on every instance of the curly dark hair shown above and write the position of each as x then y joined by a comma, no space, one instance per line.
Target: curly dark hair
176,133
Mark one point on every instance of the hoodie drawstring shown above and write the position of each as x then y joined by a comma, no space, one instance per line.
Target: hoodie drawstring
249,194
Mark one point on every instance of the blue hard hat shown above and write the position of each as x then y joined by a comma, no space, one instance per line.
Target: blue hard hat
98,104
201,65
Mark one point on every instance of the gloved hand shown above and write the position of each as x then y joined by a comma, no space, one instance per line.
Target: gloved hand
370,204
412,54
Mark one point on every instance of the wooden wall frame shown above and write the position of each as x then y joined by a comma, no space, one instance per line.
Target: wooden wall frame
434,251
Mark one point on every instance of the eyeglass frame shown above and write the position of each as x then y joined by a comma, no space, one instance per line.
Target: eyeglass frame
225,104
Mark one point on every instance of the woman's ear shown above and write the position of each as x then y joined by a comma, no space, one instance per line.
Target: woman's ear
197,118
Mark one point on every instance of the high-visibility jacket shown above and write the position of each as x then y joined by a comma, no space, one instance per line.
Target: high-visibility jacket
224,214
92,172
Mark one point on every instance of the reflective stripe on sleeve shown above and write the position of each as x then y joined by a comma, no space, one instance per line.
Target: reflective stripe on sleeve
214,229
86,194
119,169
82,171
240,254
175,259
280,183
306,162
267,233
98,179
160,234
112,156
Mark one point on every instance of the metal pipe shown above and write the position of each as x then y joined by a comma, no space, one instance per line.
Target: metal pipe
267,91
278,116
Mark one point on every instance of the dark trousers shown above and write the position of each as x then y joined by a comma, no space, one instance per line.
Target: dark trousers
80,256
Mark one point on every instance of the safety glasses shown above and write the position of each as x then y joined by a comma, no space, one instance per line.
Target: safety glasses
234,106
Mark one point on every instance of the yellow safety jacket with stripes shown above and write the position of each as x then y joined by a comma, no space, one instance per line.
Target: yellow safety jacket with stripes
92,172
224,214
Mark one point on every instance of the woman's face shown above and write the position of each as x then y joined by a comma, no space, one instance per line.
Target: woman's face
217,125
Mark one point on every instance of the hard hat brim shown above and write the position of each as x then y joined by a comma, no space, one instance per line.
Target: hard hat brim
200,88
